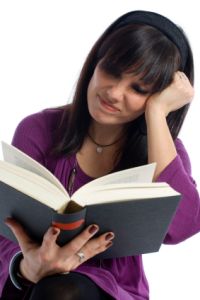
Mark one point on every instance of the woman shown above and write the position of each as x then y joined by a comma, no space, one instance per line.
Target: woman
129,105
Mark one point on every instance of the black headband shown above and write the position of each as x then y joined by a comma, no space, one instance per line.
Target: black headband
158,21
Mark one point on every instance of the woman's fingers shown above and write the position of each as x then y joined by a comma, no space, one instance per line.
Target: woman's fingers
181,75
49,258
179,93
92,248
50,237
98,245
77,251
24,240
61,259
185,88
80,240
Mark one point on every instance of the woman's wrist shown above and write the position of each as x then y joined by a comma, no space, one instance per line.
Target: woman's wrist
154,109
16,277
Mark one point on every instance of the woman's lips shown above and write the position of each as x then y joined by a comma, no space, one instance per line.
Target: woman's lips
108,106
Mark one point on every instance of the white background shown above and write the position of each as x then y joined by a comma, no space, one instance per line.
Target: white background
43,45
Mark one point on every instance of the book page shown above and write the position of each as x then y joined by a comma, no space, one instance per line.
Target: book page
123,192
133,175
33,185
18,158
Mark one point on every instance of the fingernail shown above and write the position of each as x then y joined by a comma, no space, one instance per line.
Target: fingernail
54,230
109,244
93,229
6,221
109,236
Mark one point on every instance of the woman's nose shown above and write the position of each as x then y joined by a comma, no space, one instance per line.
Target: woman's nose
116,92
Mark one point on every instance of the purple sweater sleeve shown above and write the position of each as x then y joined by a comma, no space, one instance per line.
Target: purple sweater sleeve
177,174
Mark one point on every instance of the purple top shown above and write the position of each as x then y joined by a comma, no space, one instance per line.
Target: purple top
123,278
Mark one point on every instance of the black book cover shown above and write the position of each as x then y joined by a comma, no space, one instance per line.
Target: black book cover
139,225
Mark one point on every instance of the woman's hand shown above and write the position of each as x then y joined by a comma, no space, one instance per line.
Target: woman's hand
179,93
160,144
49,258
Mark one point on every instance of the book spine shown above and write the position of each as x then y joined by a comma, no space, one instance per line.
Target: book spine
71,224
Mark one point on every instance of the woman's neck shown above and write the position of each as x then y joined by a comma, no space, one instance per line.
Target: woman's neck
105,134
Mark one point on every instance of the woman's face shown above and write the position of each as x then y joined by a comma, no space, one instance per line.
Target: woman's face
114,100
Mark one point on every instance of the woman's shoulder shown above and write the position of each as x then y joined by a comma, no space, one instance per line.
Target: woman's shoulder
52,117
45,119
34,133
40,122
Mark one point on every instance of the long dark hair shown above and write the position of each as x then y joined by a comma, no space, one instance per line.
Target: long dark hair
136,49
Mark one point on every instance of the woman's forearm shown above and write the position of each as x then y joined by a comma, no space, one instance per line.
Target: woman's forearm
161,148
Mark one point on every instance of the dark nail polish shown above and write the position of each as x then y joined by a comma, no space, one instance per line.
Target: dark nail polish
55,230
109,236
109,244
93,229
7,220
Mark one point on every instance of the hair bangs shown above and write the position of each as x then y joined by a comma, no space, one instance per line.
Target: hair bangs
153,61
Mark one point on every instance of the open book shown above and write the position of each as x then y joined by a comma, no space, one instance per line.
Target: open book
126,202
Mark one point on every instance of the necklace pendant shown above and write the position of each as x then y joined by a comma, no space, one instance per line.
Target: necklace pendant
99,149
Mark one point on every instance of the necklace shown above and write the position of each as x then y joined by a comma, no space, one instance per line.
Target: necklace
99,148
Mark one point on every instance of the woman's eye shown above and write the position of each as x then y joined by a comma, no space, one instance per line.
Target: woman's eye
138,89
